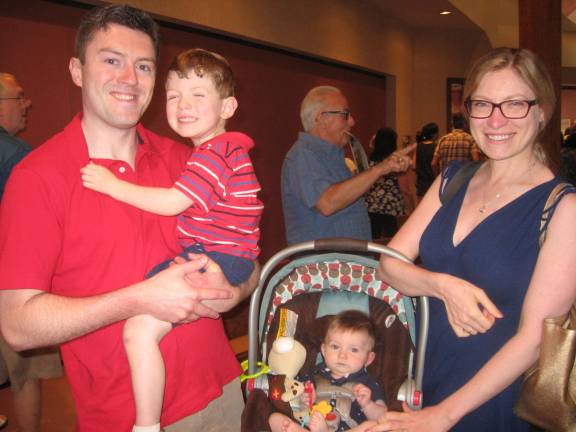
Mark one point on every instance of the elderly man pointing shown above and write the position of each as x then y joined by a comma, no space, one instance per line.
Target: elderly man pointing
320,197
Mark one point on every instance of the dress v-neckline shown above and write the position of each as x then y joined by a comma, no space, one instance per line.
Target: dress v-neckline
461,196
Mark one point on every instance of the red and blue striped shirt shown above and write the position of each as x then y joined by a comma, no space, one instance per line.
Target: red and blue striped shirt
225,215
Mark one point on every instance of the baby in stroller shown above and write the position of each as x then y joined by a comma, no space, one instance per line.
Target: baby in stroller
347,350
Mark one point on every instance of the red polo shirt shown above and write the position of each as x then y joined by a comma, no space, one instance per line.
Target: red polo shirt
59,237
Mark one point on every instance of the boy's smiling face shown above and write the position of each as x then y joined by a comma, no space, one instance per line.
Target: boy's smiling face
194,107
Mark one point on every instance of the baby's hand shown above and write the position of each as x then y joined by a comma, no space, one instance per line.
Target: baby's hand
362,394
98,178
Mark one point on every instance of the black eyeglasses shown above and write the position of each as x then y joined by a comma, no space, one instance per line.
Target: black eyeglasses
343,113
511,109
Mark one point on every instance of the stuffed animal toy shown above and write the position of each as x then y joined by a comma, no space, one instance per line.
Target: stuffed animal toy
285,360
286,357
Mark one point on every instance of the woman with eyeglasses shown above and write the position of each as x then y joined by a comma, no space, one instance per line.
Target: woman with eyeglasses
490,283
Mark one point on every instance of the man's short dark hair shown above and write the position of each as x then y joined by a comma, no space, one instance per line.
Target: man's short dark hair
458,121
100,18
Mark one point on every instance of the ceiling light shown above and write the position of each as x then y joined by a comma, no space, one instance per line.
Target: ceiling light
445,13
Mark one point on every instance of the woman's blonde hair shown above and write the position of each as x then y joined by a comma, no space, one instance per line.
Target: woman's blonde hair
528,67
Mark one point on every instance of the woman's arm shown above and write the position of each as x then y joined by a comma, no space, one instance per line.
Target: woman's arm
551,293
157,200
469,310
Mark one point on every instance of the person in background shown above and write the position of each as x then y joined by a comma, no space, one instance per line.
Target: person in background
320,196
483,268
456,145
73,261
384,200
568,159
27,368
425,147
14,106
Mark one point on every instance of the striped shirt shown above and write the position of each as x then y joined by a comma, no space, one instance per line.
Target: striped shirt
225,215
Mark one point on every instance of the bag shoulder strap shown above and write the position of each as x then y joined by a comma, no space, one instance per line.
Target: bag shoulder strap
453,185
559,190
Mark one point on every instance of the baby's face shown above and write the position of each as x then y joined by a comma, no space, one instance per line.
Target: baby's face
194,107
346,352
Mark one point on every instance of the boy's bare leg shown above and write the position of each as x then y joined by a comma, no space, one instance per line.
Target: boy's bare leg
364,426
281,423
142,334
318,423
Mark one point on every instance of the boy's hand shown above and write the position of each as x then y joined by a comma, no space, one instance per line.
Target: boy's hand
362,394
98,178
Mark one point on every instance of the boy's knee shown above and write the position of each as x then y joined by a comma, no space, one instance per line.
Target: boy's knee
134,333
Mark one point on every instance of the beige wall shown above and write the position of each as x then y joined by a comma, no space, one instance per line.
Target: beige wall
439,55
501,27
569,49
347,31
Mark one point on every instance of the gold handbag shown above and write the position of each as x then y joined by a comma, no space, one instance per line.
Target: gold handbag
548,394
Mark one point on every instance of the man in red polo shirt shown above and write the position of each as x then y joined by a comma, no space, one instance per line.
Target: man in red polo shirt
72,260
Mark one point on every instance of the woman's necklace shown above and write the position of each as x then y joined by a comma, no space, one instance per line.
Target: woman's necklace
498,195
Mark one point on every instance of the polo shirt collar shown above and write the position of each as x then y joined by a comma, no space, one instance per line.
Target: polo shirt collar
78,147
319,143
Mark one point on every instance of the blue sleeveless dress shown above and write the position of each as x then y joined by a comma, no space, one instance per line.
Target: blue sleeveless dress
498,256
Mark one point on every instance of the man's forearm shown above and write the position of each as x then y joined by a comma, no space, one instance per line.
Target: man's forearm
340,195
31,318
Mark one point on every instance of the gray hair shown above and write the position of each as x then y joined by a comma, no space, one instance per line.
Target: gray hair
313,103
3,78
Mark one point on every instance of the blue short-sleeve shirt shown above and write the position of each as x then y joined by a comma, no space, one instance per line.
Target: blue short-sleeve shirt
310,167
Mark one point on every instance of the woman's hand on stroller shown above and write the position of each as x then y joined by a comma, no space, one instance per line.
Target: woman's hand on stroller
469,309
430,419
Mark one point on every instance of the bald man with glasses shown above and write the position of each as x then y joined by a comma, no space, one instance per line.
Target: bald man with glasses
320,197
13,116
24,368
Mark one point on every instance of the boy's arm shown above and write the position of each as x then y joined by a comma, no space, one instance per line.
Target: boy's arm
371,409
160,201
375,409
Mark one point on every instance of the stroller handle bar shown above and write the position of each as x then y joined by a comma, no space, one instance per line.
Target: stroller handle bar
339,245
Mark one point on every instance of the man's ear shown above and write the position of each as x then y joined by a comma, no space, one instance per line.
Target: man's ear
371,357
75,67
229,106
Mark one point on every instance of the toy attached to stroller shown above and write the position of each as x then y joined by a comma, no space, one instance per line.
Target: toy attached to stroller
297,303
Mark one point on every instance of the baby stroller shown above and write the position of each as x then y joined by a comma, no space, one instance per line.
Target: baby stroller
298,301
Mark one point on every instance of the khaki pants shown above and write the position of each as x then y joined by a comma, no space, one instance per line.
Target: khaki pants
33,364
221,415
